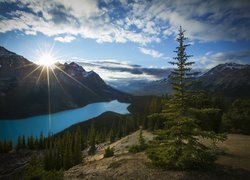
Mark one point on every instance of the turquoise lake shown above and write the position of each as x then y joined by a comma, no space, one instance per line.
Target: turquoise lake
11,129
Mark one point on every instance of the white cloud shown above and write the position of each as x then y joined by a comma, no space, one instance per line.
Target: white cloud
204,20
151,52
65,39
113,70
143,22
211,59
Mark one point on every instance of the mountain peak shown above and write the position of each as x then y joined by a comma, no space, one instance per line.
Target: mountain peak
5,52
9,59
74,66
227,66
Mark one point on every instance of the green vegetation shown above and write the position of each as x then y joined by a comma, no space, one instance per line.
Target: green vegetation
35,170
109,152
62,151
139,147
237,119
92,141
5,146
177,146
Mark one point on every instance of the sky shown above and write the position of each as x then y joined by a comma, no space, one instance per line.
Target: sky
130,33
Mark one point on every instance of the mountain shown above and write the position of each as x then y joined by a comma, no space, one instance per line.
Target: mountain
229,79
29,89
143,87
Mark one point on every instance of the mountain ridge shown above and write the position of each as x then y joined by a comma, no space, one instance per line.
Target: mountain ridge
229,79
25,87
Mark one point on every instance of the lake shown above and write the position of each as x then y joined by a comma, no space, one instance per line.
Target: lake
54,123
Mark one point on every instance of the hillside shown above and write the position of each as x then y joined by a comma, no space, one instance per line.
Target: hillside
232,164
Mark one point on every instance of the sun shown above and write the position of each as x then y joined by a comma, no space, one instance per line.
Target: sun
46,59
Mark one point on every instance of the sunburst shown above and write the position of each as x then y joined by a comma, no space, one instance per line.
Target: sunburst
46,61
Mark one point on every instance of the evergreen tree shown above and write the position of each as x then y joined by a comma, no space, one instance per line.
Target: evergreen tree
36,143
139,147
19,142
178,145
23,142
67,156
92,140
34,171
109,152
41,141
46,160
77,155
31,142
1,146
142,142
111,136
237,119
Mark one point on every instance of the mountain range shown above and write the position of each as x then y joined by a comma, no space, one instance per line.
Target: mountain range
29,89
229,79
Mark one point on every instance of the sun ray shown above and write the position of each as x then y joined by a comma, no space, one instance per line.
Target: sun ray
24,66
60,84
82,85
40,75
31,72
49,100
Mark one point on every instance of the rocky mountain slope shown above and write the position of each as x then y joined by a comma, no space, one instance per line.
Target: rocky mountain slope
27,89
230,79
233,164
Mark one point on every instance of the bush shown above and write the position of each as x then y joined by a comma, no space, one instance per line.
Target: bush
35,171
109,152
172,157
135,149
140,147
237,119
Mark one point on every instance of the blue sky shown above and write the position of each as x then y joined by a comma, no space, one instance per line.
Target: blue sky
127,31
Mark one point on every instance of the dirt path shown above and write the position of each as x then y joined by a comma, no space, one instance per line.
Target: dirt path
237,151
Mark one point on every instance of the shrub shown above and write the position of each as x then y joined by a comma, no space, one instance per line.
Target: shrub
134,148
109,152
139,147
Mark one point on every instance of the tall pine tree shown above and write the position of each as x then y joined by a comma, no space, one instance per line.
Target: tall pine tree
77,154
178,145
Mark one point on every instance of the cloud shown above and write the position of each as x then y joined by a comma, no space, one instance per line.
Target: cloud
65,39
204,20
138,21
56,18
151,52
212,59
114,70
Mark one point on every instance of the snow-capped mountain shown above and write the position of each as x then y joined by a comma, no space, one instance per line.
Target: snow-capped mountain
227,66
230,79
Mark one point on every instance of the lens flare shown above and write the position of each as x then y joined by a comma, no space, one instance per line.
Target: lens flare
46,59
